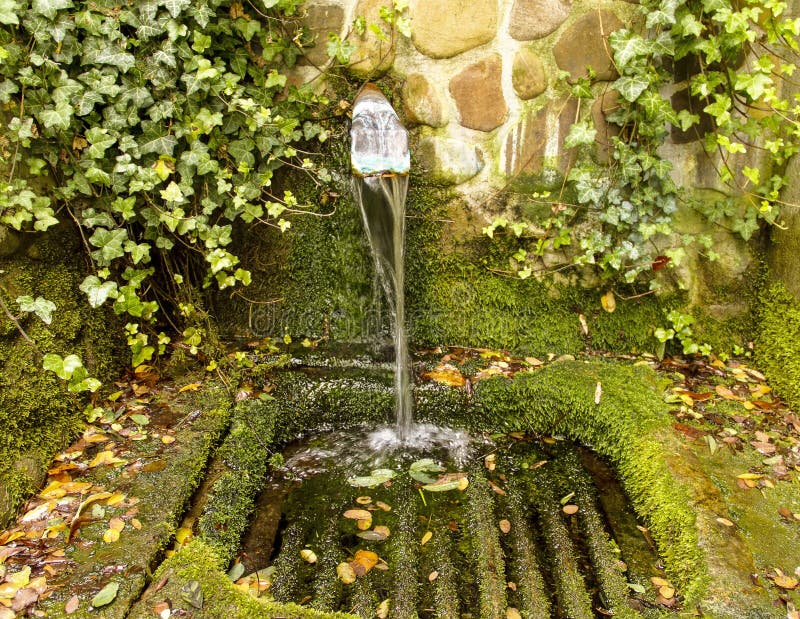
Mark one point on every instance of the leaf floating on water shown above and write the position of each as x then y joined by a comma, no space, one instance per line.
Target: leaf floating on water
426,538
570,509
451,481
566,499
364,500
358,514
383,506
363,562
383,609
106,595
308,555
371,536
346,573
419,470
505,526
192,594
378,477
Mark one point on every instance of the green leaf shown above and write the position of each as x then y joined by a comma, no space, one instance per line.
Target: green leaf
98,291
172,193
40,306
63,367
580,133
109,243
175,6
106,595
58,117
627,47
49,8
630,87
114,57
9,11
192,594
275,79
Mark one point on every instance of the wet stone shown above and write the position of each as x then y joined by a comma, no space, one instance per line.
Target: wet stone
527,75
445,28
448,160
321,19
9,241
585,44
422,102
478,94
372,55
534,19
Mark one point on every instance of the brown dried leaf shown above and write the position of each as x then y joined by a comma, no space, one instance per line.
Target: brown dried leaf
72,604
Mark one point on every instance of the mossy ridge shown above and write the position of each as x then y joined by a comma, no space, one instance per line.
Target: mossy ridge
630,426
159,512
38,415
777,345
199,561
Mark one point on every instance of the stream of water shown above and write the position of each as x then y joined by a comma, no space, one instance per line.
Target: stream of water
380,160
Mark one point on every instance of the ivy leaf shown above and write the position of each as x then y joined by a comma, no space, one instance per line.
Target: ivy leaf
156,142
9,9
98,292
110,244
172,193
114,57
580,133
192,594
49,8
275,79
630,87
40,306
57,117
627,47
64,367
99,141
174,7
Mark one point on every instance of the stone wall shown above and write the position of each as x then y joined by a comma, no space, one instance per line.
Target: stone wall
484,87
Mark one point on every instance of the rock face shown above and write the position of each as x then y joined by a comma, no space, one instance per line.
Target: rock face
585,44
448,160
444,28
527,75
422,102
9,241
534,19
537,137
478,94
604,105
320,20
372,55
786,242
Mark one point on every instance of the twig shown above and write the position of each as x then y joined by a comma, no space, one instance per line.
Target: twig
16,322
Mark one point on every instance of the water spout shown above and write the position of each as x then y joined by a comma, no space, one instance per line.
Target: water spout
381,160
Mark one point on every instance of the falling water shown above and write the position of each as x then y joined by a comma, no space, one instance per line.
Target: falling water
380,160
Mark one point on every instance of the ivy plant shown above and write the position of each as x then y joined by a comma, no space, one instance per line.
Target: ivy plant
152,125
734,62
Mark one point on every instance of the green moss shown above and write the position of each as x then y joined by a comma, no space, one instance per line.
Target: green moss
38,416
777,345
630,426
199,562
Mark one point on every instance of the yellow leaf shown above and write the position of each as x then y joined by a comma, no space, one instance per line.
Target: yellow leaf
308,555
505,526
98,496
20,579
512,613
749,476
666,592
110,536
785,582
162,169
608,301
76,486
190,387
183,535
364,561
167,439
117,524
346,573
426,538
106,458
115,499
659,582
382,530
136,524
383,609
37,513
54,490
446,374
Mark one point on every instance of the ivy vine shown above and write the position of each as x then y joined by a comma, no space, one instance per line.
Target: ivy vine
152,124
735,62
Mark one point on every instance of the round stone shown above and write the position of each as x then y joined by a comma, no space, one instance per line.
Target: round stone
444,28
478,94
422,102
585,44
450,161
534,19
527,75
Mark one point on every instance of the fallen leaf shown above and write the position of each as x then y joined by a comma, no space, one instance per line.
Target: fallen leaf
106,595
346,573
570,509
190,387
364,500
505,526
426,538
72,604
167,439
110,536
308,555
784,581
666,592
363,562
726,393
446,374
383,506
722,521
512,613
584,324
383,609
433,576
163,610
659,582
598,392
106,458
192,594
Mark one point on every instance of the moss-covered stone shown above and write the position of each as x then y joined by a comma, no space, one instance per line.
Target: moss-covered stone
38,415
777,344
199,562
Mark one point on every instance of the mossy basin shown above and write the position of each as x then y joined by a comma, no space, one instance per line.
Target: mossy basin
444,525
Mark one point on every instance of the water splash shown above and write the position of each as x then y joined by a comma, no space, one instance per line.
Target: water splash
380,159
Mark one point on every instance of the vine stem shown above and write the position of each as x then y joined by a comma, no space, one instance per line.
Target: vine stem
15,321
